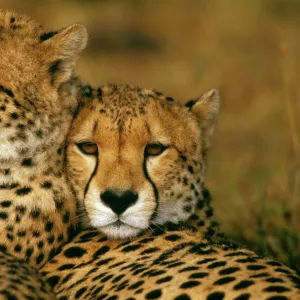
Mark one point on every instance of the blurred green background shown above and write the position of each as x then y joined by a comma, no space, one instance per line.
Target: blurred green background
250,50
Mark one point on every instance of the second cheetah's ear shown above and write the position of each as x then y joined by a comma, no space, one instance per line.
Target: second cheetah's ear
60,51
207,109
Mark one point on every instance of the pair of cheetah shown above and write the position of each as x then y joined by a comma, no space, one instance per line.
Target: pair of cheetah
135,163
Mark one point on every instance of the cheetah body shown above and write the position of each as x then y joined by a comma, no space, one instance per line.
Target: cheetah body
37,102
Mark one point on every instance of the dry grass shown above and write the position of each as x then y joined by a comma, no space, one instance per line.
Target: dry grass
247,49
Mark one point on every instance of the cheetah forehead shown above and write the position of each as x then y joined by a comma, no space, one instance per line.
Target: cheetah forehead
122,102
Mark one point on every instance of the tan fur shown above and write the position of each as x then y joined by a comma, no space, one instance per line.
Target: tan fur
37,102
122,120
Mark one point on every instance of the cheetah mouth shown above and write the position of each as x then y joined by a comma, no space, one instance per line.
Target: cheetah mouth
119,224
119,230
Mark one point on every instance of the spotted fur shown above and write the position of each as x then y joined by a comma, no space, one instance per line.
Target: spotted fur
37,103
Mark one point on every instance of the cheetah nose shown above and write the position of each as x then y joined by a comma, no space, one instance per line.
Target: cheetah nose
118,201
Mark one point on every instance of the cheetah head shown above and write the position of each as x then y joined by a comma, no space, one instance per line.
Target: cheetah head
36,94
136,158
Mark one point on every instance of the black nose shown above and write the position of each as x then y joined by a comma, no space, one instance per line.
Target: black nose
119,201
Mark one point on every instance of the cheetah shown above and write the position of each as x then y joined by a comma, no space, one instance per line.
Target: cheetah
147,153
157,150
37,103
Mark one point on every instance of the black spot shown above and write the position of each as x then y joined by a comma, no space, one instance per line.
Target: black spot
216,296
156,273
18,248
189,284
80,292
243,297
3,248
89,235
209,212
3,215
6,203
74,252
243,284
53,281
17,104
21,233
191,170
216,264
255,267
14,116
39,258
106,278
198,275
187,269
40,244
49,226
23,191
46,185
131,248
278,298
260,275
50,239
273,280
155,294
101,251
183,297
150,250
118,278
103,261
246,260
228,271
281,270
276,289
204,261
39,133
6,91
164,279
224,280
173,237
174,265
29,252
136,285
35,213
66,217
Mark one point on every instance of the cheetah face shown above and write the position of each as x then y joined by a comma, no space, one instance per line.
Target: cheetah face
135,159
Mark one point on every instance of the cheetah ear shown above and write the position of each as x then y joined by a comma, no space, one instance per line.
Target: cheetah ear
207,109
60,51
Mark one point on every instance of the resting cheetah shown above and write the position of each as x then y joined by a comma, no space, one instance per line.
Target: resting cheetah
131,141
37,102
157,150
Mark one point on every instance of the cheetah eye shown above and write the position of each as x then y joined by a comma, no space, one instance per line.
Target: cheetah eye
154,149
88,148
